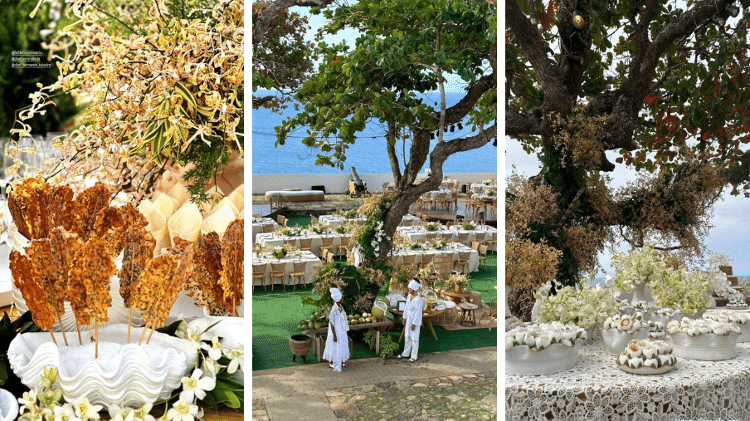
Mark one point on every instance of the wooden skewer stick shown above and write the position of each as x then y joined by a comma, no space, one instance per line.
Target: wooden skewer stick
234,305
96,346
145,328
153,329
59,319
53,337
78,328
130,314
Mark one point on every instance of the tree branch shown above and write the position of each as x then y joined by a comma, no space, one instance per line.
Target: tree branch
517,123
266,15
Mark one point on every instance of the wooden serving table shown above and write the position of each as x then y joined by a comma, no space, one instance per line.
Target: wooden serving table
426,318
455,296
379,327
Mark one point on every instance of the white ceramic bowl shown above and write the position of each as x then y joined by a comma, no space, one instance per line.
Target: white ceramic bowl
8,406
522,361
616,340
709,346
133,379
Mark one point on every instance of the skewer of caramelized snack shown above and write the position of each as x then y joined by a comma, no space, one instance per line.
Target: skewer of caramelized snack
48,269
154,279
232,278
87,205
65,246
110,226
203,284
32,291
94,268
25,207
138,250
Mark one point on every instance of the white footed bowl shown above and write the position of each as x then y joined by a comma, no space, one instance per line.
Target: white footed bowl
133,379
616,340
8,406
709,346
522,361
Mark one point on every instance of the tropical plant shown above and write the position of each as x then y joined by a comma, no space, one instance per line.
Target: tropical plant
387,346
585,306
645,265
457,281
681,290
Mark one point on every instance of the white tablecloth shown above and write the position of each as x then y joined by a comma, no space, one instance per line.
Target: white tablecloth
410,219
257,227
452,251
595,389
310,259
337,220
479,187
415,234
269,240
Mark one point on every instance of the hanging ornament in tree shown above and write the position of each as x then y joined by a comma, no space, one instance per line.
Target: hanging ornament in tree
432,136
578,20
460,127
453,128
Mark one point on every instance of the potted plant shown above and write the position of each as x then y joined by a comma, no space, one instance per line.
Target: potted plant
400,280
457,281
637,269
279,252
467,226
586,307
681,290
432,227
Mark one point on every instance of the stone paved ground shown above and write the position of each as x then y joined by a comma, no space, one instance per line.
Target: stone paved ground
457,397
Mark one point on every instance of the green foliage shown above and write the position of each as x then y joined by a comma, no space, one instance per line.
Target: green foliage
388,346
8,331
20,33
389,64
208,158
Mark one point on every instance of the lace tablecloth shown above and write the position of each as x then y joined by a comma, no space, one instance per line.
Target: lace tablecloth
595,389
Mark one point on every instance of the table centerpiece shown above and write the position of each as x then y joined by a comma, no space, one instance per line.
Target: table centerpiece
635,270
704,339
545,348
646,357
617,331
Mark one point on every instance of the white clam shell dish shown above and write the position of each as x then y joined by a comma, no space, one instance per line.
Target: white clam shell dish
8,406
708,346
523,361
130,375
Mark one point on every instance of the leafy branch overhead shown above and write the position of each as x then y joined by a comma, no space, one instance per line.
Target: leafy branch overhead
162,86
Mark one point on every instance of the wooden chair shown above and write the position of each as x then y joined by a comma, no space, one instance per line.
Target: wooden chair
490,313
305,244
478,237
469,200
385,187
298,274
267,228
463,238
441,200
426,260
259,272
278,270
290,242
475,245
329,258
483,256
281,220
491,239
407,222
326,245
454,198
431,236
407,261
343,246
442,266
462,261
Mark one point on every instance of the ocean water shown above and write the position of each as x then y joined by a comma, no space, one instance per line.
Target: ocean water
368,155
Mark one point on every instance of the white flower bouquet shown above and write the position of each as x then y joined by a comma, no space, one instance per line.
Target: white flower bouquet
682,290
719,283
728,317
585,307
719,259
540,336
646,353
637,267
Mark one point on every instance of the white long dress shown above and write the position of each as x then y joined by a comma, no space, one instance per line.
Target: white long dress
413,316
337,352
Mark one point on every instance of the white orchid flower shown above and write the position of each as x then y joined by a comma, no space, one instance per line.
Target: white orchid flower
237,355
184,411
84,409
195,386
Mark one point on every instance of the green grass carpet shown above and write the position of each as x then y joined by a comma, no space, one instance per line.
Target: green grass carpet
276,314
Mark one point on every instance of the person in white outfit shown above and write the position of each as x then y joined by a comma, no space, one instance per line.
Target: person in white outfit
337,342
413,317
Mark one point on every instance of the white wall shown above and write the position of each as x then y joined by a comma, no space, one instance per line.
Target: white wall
339,183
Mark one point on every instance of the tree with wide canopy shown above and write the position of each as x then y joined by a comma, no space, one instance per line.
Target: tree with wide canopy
405,48
661,86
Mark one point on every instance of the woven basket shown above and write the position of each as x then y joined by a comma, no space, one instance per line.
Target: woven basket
300,344
447,318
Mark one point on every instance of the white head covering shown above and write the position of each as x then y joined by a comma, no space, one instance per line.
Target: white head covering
336,294
413,284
